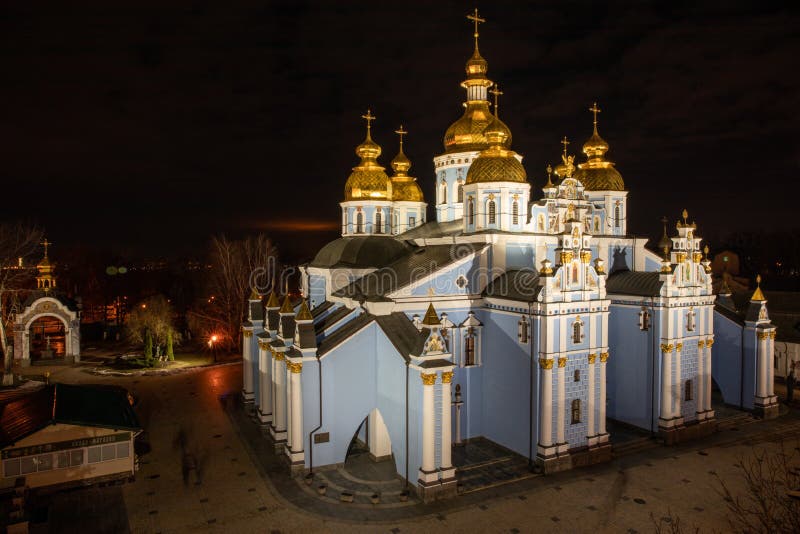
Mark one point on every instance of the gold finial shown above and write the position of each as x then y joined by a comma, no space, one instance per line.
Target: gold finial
705,251
565,143
595,110
758,280
45,244
569,166
496,92
549,170
401,132
758,294
685,215
369,117
474,17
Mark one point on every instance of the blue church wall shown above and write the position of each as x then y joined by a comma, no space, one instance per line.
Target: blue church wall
651,264
629,370
576,432
451,177
444,283
689,372
506,383
726,362
620,257
519,256
316,289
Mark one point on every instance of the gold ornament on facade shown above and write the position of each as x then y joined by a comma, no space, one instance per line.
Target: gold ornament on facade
263,345
295,368
697,257
428,379
546,363
763,335
666,348
247,333
562,361
678,347
447,377
680,257
278,356
603,357
772,334
586,256
709,342
700,343
566,257
592,358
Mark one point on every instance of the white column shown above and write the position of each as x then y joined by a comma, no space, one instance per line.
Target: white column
771,364
761,364
297,406
560,438
247,362
546,403
707,377
289,408
701,376
265,381
279,413
666,380
601,423
677,385
428,423
447,440
590,408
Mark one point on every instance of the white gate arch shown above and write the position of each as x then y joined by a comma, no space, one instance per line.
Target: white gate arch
47,306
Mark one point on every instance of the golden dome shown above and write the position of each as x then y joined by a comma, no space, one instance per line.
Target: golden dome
467,133
497,163
368,179
404,187
597,173
477,67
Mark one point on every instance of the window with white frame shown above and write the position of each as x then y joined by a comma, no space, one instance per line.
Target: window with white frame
470,344
471,212
644,319
359,223
492,209
690,320
576,411
460,191
577,331
378,222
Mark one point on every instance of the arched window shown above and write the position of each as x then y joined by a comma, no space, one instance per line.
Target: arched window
576,376
515,213
359,223
378,222
575,272
443,199
492,212
688,390
460,191
577,331
690,321
522,330
469,347
471,212
576,411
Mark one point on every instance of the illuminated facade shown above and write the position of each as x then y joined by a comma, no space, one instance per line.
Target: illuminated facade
545,313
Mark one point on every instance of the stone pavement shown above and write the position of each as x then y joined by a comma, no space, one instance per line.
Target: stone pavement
237,485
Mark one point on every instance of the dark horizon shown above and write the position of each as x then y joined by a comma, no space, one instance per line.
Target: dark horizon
147,129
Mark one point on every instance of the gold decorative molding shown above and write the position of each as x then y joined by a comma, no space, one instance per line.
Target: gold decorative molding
701,343
603,357
264,345
295,368
428,379
586,256
592,358
566,257
546,363
447,377
666,347
697,257
278,356
680,257
678,347
763,335
247,333
562,361
772,334
709,342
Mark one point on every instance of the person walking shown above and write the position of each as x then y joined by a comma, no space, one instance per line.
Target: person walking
790,381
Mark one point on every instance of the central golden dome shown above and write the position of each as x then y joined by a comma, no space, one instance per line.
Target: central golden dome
368,179
466,133
497,163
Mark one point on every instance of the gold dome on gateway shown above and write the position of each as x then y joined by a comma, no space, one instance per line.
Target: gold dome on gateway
368,179
597,173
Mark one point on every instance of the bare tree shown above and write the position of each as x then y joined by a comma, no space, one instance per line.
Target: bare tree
154,315
18,243
769,503
239,267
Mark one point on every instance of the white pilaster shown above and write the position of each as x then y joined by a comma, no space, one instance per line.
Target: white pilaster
701,379
247,365
761,364
590,408
601,422
428,428
771,364
560,404
666,383
546,403
447,440
279,411
296,443
677,383
265,383
707,379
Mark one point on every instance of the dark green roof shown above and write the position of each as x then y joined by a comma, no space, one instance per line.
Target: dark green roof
641,284
360,252
515,284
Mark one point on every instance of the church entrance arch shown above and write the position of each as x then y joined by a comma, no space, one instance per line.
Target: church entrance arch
47,329
371,439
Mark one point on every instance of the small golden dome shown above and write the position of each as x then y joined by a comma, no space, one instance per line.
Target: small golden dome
404,187
368,179
597,173
477,67
497,163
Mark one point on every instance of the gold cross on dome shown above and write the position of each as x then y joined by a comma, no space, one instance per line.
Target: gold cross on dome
565,143
45,244
369,117
595,110
401,132
474,17
496,92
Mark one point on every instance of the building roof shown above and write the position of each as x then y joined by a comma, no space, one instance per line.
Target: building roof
360,252
83,405
321,308
347,330
422,262
515,284
643,284
331,319
435,229
402,333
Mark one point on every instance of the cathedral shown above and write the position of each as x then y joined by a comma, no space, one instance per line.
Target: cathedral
527,317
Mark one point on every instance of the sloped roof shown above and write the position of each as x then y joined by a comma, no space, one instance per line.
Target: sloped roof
360,252
84,405
422,262
643,284
435,229
402,333
347,330
331,319
515,284
321,308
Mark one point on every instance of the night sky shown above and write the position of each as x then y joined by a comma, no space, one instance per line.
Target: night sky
150,127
